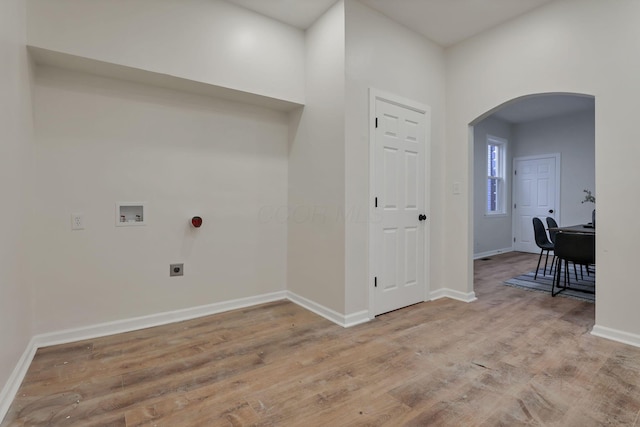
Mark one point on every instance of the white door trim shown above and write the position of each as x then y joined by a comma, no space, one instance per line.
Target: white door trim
374,95
558,211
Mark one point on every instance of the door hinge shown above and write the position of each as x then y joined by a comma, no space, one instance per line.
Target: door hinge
376,123
514,240
376,203
514,206
515,172
375,282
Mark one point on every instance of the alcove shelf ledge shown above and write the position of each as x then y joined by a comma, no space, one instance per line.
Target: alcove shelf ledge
47,57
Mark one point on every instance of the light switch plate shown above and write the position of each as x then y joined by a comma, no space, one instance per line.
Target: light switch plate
456,188
77,221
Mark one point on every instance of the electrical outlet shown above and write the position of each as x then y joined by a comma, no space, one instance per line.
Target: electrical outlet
77,221
176,269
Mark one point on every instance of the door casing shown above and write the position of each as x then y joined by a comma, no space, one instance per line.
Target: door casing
374,95
557,213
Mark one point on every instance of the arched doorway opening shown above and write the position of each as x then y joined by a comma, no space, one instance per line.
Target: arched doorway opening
557,128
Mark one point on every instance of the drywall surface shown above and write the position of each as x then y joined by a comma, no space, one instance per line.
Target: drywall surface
316,170
575,46
384,55
100,141
490,232
209,41
573,136
16,169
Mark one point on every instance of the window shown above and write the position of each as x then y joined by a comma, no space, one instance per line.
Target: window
496,179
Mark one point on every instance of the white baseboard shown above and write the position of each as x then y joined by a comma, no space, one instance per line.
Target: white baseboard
119,326
453,294
329,314
15,379
616,335
109,328
357,318
492,253
127,325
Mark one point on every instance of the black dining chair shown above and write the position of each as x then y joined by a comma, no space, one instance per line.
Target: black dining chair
551,223
542,241
578,248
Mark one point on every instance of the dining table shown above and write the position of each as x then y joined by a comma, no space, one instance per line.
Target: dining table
578,228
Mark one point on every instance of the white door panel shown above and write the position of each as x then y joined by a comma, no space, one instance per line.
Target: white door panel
399,180
536,191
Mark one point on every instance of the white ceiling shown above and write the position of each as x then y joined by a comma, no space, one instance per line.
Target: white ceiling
445,22
299,13
537,107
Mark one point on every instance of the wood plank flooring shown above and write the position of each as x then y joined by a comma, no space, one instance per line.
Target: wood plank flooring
511,358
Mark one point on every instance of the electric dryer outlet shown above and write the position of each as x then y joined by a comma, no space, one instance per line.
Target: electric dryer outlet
176,269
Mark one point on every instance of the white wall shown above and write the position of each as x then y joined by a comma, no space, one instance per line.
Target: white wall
573,136
15,186
209,41
316,170
490,232
578,46
384,55
100,141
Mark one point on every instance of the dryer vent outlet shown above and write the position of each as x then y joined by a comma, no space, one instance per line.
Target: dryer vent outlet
176,269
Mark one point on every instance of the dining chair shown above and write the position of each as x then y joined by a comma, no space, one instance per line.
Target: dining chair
543,242
551,223
578,248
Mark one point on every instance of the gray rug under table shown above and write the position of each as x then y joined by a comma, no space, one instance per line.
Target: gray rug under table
543,282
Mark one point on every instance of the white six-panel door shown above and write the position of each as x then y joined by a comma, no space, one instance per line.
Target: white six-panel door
399,183
536,190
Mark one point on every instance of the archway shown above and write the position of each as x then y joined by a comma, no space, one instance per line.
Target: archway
541,124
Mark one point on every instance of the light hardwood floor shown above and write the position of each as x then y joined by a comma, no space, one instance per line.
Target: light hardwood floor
511,358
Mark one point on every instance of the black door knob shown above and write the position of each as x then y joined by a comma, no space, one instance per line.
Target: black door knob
550,210
422,217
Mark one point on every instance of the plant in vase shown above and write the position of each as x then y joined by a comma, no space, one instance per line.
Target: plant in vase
590,198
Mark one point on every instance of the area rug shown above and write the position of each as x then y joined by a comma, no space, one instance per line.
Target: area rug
544,282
